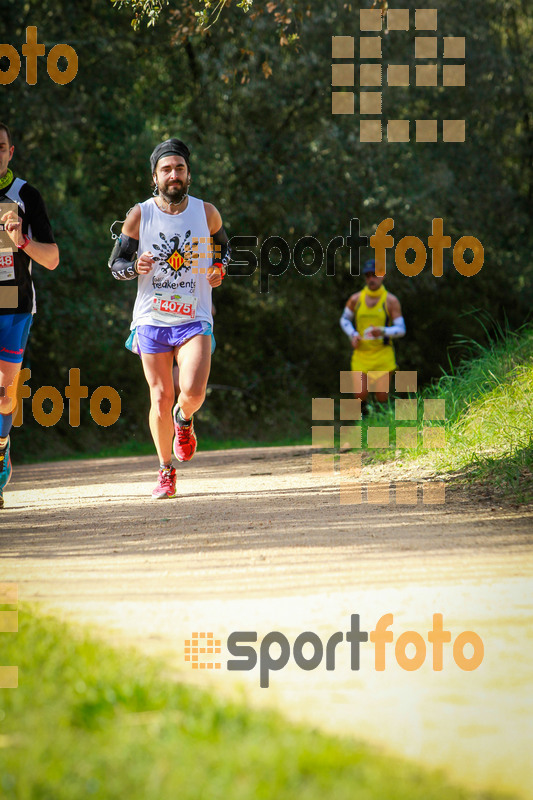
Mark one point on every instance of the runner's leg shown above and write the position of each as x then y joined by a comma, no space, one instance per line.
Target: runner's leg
382,397
8,378
14,331
158,372
8,375
176,378
194,362
360,385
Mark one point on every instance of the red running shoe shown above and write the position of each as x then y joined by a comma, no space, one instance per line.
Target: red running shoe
166,484
185,439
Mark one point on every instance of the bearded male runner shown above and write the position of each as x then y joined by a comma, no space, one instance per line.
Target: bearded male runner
378,319
25,236
176,235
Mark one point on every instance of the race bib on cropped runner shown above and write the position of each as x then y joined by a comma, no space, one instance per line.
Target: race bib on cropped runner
174,308
7,266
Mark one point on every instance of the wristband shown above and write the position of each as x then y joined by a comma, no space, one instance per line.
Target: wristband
25,243
220,265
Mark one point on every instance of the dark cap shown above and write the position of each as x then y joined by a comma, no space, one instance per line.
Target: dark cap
370,266
170,147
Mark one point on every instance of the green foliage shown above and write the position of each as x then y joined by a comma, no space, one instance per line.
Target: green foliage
204,12
489,418
87,721
143,9
491,435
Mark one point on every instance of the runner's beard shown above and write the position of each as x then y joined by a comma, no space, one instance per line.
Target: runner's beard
174,194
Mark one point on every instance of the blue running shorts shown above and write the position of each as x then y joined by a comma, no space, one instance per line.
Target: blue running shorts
14,331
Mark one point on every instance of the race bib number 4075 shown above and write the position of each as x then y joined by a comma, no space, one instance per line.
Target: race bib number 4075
174,308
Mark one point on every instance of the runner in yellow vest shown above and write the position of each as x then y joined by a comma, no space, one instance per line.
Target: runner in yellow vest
378,319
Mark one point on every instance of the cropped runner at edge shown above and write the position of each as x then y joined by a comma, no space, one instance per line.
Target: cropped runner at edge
26,237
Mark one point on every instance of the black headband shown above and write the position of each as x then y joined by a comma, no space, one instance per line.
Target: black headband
171,147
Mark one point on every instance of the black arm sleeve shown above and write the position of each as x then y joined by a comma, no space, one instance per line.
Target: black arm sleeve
222,248
122,259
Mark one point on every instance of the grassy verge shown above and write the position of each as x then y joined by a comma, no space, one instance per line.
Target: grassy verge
489,419
89,722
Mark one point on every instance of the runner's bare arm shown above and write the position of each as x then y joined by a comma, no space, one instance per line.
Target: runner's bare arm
45,254
132,223
352,301
394,309
214,220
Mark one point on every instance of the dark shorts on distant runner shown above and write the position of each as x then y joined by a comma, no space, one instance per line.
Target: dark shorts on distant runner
156,339
14,331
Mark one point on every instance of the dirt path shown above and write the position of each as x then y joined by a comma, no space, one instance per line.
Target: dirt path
256,542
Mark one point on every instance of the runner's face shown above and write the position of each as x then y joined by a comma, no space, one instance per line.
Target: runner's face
172,176
6,153
372,281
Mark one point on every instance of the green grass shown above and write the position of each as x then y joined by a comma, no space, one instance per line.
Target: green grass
88,722
134,447
489,418
207,443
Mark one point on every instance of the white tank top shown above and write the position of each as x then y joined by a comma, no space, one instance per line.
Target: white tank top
173,239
